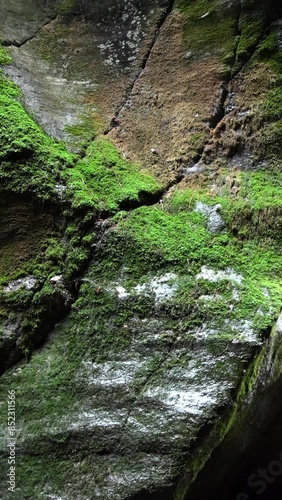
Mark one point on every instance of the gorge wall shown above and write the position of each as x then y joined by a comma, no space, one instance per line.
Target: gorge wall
140,257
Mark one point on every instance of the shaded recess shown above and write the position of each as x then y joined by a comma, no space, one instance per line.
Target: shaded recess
248,465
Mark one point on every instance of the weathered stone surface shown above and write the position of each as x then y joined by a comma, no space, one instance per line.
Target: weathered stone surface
75,69
167,352
22,20
136,407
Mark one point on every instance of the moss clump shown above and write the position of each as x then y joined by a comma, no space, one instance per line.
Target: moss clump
86,130
104,180
148,242
268,52
37,168
268,141
30,161
197,141
273,104
251,31
176,236
4,56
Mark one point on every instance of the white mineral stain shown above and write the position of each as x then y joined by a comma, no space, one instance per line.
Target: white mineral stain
239,331
244,330
211,275
215,221
210,298
29,283
191,401
163,287
160,286
95,418
111,373
122,293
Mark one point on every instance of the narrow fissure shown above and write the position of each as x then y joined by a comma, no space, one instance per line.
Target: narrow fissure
219,113
147,55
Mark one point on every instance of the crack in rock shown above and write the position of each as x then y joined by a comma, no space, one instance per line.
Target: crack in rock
143,65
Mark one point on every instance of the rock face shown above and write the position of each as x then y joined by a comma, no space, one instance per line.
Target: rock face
75,59
23,20
160,232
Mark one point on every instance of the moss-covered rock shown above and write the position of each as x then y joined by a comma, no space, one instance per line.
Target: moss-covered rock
169,333
168,317
50,200
85,55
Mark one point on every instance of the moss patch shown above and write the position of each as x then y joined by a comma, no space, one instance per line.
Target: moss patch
207,27
36,169
251,30
176,236
104,180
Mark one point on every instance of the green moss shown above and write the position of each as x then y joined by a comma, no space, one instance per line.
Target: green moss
197,141
268,52
251,31
211,28
255,212
67,7
32,164
268,46
176,236
262,188
30,160
86,130
267,141
198,138
4,56
273,104
104,180
149,241
145,243
208,27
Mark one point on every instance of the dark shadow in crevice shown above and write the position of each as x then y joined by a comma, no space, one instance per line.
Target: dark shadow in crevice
249,465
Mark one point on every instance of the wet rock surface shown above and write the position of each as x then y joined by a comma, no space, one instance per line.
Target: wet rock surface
251,469
137,380
168,354
138,402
